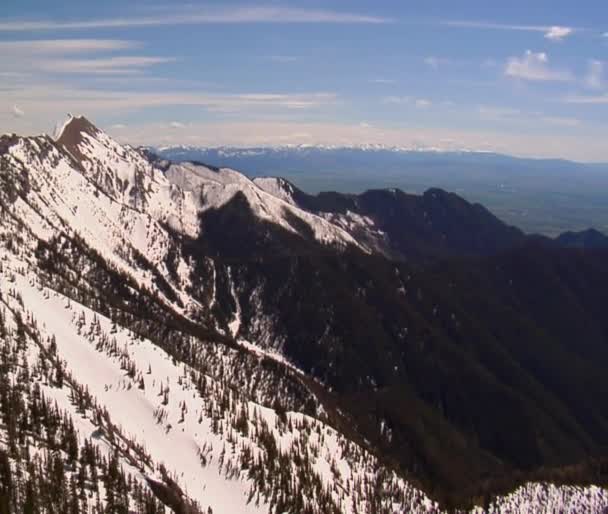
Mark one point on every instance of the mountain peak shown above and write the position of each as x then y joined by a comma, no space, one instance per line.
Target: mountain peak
70,133
590,238
117,170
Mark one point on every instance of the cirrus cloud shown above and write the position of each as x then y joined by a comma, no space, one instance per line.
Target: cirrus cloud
435,62
63,46
381,80
111,65
17,112
58,56
512,115
551,32
587,100
534,66
200,16
557,33
595,74
423,103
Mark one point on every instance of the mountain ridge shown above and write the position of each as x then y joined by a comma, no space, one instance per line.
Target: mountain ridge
288,346
378,147
514,189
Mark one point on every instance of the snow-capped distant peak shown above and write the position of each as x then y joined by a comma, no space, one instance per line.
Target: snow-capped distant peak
247,151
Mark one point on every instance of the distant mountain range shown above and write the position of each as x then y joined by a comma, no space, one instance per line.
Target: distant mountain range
179,337
546,196
372,147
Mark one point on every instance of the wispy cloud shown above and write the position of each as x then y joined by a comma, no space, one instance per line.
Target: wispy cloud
497,113
587,99
282,59
17,112
435,62
199,16
561,121
57,56
512,115
558,33
383,81
552,32
13,75
595,74
53,99
64,46
535,67
422,103
285,101
397,100
113,65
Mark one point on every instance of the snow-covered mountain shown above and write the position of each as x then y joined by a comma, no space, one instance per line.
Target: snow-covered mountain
233,151
166,381
513,188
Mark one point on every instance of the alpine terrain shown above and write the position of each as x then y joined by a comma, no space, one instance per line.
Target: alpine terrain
176,337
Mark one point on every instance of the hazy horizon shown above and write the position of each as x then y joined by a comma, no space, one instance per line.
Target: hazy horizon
509,79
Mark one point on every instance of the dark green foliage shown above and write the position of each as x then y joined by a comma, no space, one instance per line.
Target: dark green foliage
421,228
43,467
483,368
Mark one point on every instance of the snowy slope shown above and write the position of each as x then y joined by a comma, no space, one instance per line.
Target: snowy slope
60,199
127,176
136,411
362,228
216,188
123,206
219,425
277,187
174,422
156,402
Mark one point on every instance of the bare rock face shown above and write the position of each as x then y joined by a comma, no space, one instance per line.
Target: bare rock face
71,134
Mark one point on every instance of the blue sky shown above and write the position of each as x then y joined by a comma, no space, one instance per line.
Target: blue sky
508,76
